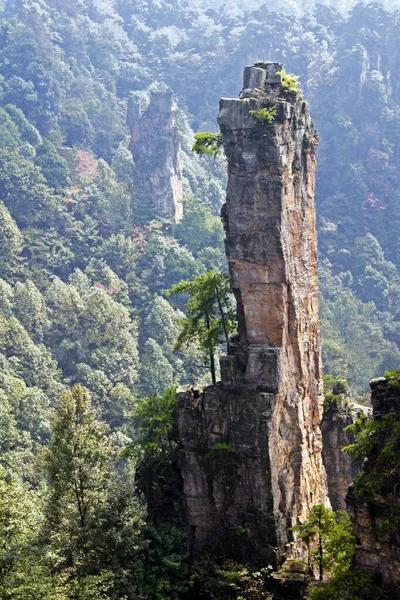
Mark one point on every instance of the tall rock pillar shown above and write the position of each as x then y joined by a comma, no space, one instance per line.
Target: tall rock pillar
155,149
269,404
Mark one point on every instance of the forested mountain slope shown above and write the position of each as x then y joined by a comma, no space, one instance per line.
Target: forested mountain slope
84,259
292,7
74,228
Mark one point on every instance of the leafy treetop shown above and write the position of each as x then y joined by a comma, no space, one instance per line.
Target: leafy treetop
210,313
265,115
329,538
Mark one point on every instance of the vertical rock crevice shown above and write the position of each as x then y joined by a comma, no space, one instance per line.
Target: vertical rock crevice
274,380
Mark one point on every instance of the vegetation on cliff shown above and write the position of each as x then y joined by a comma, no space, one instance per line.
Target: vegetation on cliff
207,143
378,439
329,538
372,501
210,314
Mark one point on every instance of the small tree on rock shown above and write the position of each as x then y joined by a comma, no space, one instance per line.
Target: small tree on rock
329,538
210,316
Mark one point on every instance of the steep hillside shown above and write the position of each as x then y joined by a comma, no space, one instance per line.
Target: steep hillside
88,246
66,173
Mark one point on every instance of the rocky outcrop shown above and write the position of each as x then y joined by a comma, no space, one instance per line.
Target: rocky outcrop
373,501
341,468
225,463
268,407
155,149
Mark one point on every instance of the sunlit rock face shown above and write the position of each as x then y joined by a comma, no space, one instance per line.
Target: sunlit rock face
268,407
155,149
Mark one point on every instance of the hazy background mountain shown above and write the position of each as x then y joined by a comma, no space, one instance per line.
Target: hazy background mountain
294,7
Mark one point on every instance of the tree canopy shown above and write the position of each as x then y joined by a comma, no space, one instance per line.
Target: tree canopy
210,316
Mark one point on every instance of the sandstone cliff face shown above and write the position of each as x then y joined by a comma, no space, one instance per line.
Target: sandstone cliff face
377,514
269,404
154,146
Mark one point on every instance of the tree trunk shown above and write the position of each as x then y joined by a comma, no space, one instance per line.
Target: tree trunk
320,553
212,365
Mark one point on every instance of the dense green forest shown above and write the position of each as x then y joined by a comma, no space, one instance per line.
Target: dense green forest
85,262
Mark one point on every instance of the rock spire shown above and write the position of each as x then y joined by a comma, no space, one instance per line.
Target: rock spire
265,414
155,149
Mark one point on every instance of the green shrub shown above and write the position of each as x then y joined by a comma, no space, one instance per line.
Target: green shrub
335,390
347,584
224,453
329,538
395,374
393,378
228,580
222,447
290,83
208,143
379,441
266,115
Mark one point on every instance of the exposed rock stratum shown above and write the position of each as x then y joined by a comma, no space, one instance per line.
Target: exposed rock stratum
341,467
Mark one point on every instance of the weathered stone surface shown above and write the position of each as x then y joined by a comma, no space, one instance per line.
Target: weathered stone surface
228,490
155,149
341,468
290,581
230,370
271,249
376,517
270,411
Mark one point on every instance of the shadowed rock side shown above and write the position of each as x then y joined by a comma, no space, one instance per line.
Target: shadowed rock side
376,510
268,407
154,146
341,468
226,471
